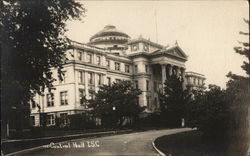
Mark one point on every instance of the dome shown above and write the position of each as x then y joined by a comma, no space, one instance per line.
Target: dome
109,35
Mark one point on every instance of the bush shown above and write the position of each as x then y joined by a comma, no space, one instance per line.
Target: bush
81,121
209,112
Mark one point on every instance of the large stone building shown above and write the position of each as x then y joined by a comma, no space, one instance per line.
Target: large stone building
195,80
110,56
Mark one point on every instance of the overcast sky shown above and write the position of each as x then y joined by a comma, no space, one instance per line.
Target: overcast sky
206,31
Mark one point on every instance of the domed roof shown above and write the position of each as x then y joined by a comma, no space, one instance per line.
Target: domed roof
109,30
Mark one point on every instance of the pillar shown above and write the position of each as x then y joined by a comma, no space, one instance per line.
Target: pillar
95,82
170,68
178,71
174,72
84,56
86,84
183,78
163,74
183,73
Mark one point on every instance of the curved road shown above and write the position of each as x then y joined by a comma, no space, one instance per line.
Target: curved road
126,144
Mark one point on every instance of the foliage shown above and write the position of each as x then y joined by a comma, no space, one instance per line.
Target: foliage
238,87
33,42
222,115
80,121
116,103
243,49
209,112
174,100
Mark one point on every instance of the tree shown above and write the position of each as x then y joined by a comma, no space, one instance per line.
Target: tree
222,115
238,87
174,100
33,41
115,103
210,112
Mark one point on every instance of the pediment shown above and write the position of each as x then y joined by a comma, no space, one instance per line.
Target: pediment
177,51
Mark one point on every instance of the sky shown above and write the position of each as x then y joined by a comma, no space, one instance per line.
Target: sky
206,31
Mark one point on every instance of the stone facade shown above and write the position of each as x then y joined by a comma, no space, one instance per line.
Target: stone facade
110,56
195,80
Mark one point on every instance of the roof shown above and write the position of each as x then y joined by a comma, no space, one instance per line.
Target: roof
141,39
194,74
173,51
109,30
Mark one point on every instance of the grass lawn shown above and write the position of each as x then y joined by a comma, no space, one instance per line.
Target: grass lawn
188,144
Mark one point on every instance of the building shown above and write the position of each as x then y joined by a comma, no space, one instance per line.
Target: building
110,56
195,80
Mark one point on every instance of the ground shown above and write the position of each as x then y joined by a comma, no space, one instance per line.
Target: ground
191,144
139,143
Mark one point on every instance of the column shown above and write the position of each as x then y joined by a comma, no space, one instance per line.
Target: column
170,72
183,78
94,58
103,62
183,73
104,80
95,82
84,56
178,71
76,88
163,74
174,70
86,83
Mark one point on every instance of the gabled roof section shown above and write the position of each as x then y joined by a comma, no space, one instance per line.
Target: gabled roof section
173,51
141,39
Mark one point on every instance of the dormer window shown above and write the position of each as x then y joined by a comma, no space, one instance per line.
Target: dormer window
134,47
145,47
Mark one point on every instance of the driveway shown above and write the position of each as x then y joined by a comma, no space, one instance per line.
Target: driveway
139,143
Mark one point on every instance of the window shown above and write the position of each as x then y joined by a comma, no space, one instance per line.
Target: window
148,102
64,77
81,96
108,63
50,100
99,79
79,56
147,85
109,81
33,103
32,120
155,86
90,78
89,58
50,119
64,117
136,68
127,68
64,98
80,77
146,68
117,66
134,47
136,84
145,47
98,60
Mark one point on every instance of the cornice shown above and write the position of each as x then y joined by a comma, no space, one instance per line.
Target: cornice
119,72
